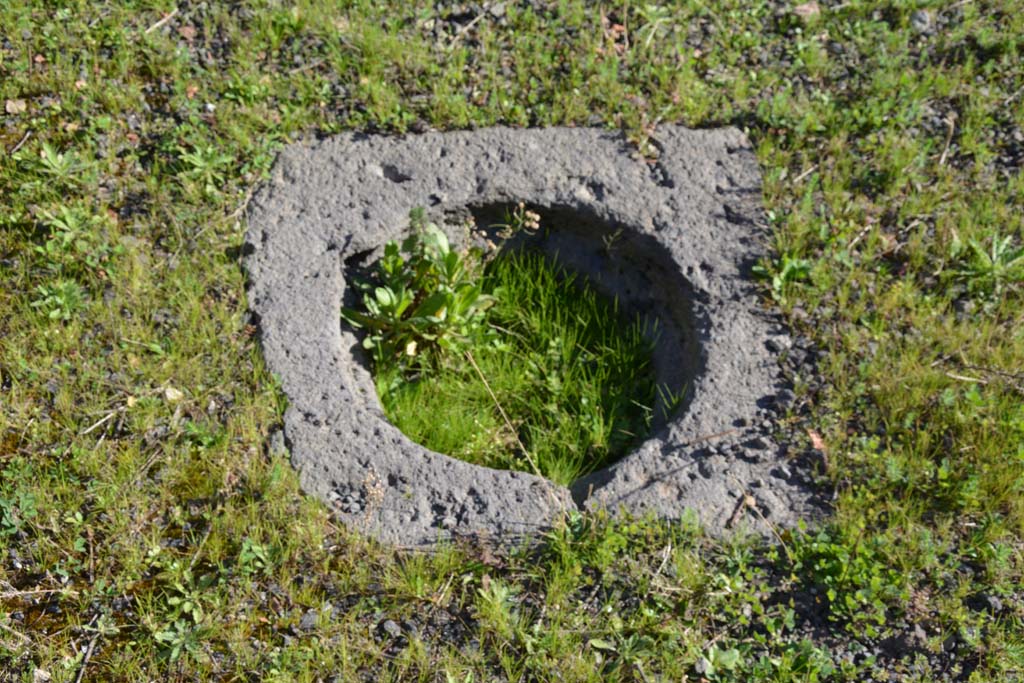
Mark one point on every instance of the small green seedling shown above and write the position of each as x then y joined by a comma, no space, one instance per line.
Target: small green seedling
427,298
989,271
783,273
60,300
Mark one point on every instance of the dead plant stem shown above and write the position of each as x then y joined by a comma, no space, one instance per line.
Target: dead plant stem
504,416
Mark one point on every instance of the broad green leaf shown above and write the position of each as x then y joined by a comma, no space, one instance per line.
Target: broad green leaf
405,299
727,659
452,266
438,240
432,305
384,296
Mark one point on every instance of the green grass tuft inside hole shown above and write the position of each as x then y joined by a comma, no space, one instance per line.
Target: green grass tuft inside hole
572,373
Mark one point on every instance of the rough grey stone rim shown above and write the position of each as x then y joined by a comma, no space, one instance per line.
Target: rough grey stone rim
339,199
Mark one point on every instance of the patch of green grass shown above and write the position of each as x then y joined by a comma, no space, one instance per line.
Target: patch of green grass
130,139
570,373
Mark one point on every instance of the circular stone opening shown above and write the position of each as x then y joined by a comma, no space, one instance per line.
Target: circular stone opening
591,347
675,239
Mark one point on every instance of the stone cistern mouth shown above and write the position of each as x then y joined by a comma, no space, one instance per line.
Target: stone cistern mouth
672,240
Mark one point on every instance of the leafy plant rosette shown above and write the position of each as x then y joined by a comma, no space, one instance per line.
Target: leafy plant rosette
426,302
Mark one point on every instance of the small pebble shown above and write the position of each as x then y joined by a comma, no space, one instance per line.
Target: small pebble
308,620
15,106
276,444
391,628
921,22
985,602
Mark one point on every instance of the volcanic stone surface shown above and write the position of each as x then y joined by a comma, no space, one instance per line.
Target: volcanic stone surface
675,239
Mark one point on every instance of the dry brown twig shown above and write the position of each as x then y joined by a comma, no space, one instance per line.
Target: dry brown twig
812,169
85,660
951,123
465,29
508,423
22,141
17,634
167,17
745,501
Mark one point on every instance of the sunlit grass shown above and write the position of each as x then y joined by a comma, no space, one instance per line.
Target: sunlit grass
569,372
154,121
